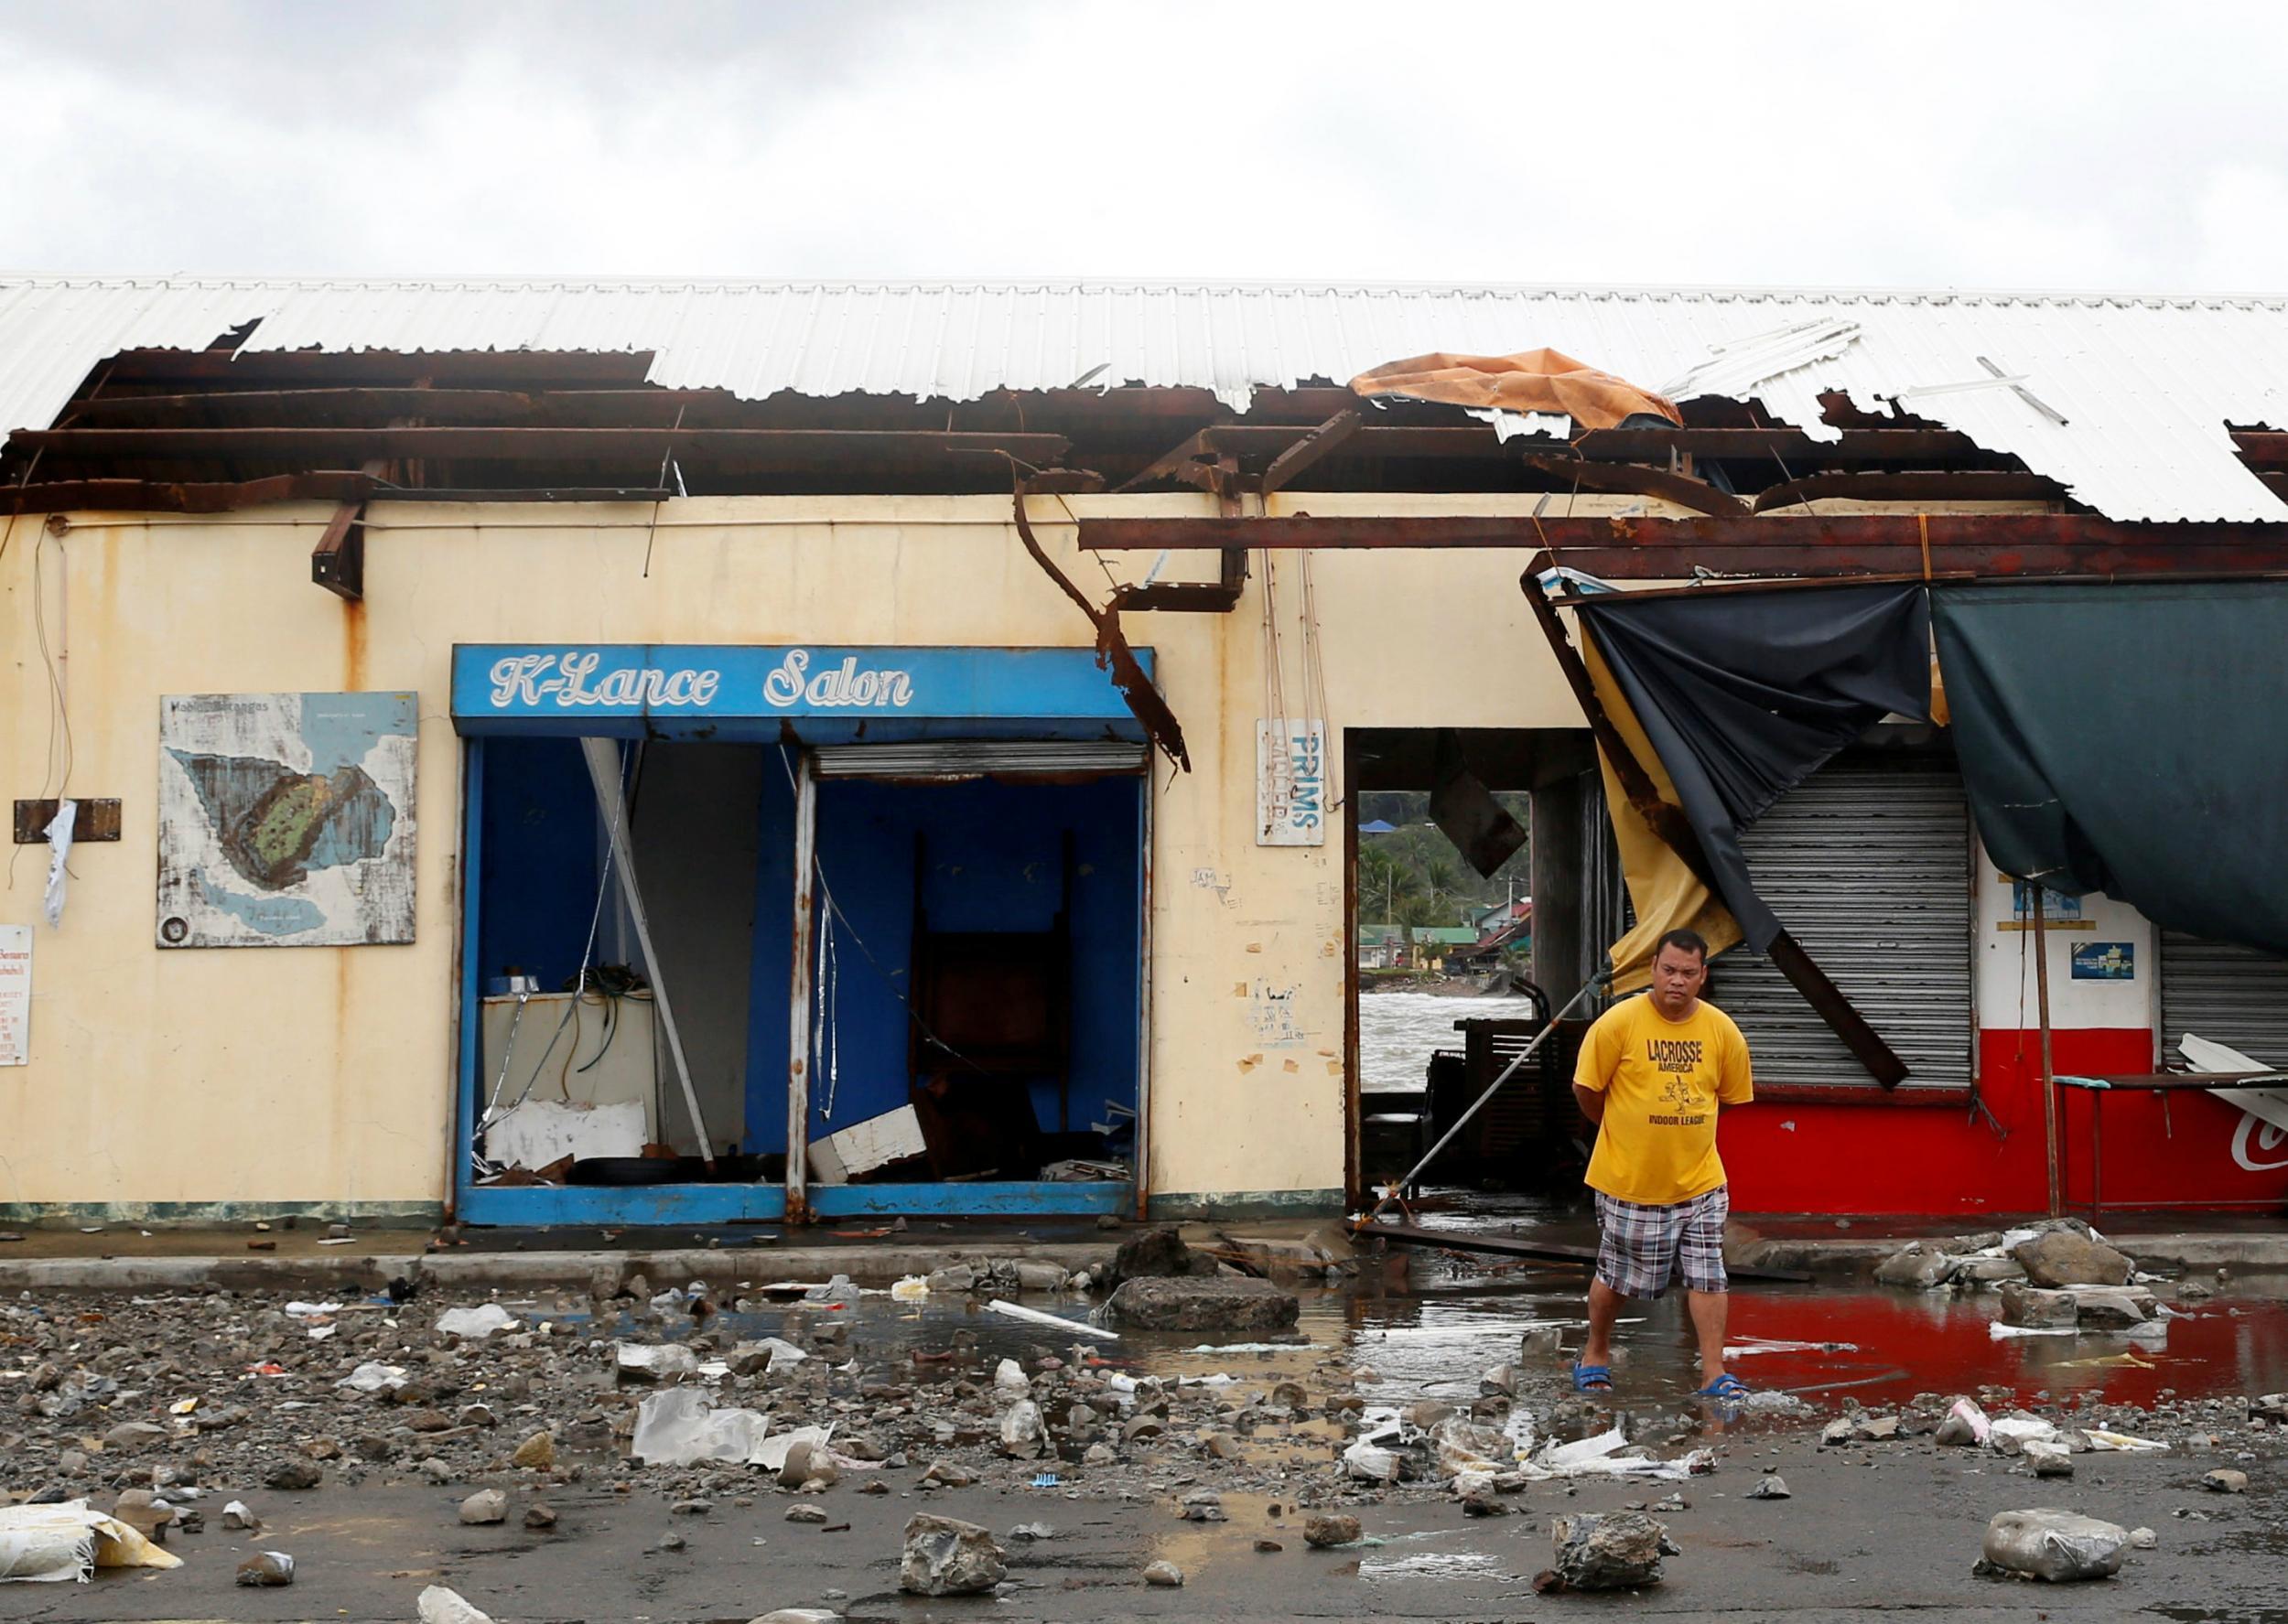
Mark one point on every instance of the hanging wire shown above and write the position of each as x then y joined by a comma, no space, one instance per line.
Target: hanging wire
833,911
492,1113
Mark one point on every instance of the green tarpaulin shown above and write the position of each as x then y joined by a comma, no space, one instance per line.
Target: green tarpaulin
2131,739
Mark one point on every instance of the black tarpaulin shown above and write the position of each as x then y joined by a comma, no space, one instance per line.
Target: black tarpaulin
1742,694
2131,739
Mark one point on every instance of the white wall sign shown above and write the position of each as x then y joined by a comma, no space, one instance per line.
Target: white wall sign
16,995
1290,782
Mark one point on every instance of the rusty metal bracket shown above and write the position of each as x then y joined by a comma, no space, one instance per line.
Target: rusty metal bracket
1320,442
1668,822
338,562
1112,653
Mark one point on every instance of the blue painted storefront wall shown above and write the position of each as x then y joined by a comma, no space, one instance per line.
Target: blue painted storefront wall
538,884
995,854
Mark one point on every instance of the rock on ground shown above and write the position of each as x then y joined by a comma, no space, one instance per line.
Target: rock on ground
2024,1305
2225,1480
1159,1254
945,1557
1231,1306
2055,1545
1919,1264
266,1569
487,1505
2065,1257
1772,1486
1616,1551
1324,1529
1166,1574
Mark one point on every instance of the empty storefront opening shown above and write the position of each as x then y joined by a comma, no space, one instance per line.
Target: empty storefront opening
965,1031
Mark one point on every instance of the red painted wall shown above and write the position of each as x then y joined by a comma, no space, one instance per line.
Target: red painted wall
1895,1157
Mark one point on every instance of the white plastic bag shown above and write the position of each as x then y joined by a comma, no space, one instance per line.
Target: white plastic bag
478,1322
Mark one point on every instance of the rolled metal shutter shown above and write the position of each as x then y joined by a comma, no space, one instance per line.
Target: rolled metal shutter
1868,865
970,758
2232,995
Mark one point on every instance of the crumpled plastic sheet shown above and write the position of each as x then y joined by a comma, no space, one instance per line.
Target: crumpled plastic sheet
680,1426
2101,1439
372,1376
1599,1457
48,1544
478,1322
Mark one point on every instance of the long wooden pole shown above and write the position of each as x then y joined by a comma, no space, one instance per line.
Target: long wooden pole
799,990
2049,1073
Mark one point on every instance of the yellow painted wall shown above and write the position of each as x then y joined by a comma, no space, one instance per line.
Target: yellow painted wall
324,1074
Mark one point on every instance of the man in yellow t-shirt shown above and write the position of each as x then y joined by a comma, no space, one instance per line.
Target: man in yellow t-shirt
1652,1072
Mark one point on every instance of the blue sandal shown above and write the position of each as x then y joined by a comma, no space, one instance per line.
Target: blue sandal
1592,1378
1726,1386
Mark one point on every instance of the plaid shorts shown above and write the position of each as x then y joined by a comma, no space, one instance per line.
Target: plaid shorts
1640,1249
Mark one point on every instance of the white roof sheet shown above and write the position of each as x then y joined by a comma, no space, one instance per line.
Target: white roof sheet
2145,384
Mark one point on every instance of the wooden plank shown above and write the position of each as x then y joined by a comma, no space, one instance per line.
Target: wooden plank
97,821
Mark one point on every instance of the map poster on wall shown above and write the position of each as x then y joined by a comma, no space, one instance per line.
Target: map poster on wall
285,820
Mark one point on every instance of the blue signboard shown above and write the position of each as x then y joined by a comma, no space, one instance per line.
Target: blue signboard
2105,961
729,690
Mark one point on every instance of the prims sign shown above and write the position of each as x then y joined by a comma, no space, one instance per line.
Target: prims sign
572,680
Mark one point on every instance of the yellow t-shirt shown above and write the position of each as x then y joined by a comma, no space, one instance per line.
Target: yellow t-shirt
1662,1080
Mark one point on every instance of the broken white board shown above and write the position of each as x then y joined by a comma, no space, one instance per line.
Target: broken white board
540,1132
866,1146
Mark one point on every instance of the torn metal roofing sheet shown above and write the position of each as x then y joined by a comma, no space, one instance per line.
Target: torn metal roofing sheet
2145,384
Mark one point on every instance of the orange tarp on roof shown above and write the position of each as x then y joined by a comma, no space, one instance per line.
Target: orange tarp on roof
1530,381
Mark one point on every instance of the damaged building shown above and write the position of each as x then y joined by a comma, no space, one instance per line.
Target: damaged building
552,752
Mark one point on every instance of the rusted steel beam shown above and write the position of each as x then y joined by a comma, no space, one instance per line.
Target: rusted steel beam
1855,444
1298,458
325,405
1178,462
794,447
2267,447
162,495
1112,653
1789,544
1630,479
1936,485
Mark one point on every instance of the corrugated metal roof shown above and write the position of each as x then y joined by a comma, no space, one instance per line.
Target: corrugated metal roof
2146,384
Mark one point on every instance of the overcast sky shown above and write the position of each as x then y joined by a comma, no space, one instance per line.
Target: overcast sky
2062,145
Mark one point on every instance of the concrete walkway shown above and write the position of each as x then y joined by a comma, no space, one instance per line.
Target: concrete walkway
121,1257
